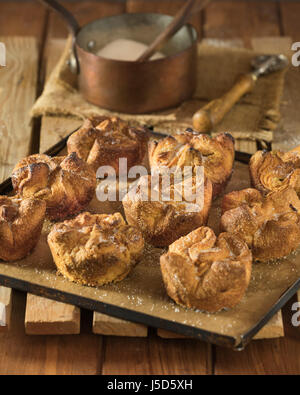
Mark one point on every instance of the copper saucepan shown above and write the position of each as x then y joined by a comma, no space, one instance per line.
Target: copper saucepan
125,86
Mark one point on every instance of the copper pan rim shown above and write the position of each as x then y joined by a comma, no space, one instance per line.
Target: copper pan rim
166,58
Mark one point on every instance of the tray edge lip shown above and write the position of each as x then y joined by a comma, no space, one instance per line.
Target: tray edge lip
283,299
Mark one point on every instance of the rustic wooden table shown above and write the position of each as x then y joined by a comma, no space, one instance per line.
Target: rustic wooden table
87,353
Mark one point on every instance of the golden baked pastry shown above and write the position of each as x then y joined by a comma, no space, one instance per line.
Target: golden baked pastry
205,272
21,222
190,148
95,249
66,183
164,219
269,225
102,142
271,171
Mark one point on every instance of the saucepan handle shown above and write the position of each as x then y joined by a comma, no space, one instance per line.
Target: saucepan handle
73,27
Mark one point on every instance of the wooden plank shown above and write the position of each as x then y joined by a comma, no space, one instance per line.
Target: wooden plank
242,19
48,317
287,136
110,326
170,335
39,355
17,94
246,146
22,18
154,355
273,329
274,356
5,308
290,11
169,7
85,12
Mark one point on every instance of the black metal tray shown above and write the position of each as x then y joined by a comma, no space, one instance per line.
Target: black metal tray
118,311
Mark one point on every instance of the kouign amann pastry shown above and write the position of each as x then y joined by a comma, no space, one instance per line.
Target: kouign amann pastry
190,148
206,272
271,171
21,222
95,249
103,142
66,183
164,219
269,225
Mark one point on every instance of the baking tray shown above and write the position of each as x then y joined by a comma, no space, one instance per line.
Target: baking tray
141,297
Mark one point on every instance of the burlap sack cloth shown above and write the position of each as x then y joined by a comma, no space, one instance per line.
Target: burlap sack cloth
254,117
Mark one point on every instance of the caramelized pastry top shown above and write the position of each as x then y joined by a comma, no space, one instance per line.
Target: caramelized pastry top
21,222
207,272
162,212
101,142
66,183
275,170
95,249
270,225
189,148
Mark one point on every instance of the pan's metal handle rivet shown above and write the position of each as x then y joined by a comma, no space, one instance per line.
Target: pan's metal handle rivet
91,44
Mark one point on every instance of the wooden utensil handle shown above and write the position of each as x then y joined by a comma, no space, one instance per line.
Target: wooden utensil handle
205,119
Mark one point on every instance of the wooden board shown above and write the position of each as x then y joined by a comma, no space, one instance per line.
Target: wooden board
169,7
106,325
22,18
84,12
17,94
5,308
40,355
241,19
154,355
289,11
266,357
47,317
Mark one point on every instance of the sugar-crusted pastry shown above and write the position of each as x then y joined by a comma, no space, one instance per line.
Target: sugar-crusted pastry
162,215
21,222
95,249
269,225
103,142
190,148
206,272
271,171
66,183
